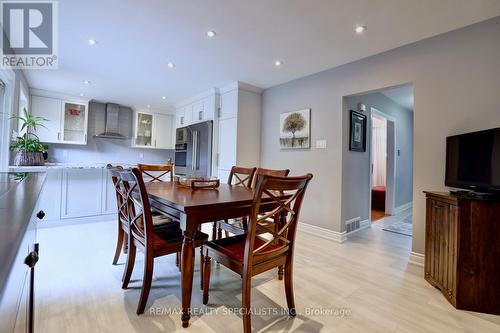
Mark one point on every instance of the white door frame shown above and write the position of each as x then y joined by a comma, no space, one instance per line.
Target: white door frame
390,193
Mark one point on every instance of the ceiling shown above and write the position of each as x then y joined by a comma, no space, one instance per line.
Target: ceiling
401,95
136,39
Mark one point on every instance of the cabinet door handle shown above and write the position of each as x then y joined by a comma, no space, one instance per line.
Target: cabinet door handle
31,259
58,136
200,115
40,215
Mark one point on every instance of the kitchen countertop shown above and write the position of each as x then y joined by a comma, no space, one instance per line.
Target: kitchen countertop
49,166
18,197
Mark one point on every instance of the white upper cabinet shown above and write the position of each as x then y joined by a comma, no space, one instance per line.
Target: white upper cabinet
143,136
67,120
153,130
163,131
50,109
197,109
74,122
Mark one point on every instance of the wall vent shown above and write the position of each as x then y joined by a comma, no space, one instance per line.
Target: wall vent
352,224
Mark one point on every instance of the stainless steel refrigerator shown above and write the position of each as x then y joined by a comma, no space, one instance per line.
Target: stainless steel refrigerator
193,150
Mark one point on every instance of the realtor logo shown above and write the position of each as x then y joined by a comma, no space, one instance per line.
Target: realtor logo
29,39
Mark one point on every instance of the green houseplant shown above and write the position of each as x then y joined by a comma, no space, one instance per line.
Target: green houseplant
29,150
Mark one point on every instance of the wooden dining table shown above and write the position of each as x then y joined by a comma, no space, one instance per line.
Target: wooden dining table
194,207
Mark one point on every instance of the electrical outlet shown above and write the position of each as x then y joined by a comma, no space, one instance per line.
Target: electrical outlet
321,144
141,156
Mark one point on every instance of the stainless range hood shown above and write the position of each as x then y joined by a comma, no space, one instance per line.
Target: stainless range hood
117,123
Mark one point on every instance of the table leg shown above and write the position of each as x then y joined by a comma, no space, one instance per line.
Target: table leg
187,269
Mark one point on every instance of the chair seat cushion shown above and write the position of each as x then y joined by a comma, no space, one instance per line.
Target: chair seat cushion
170,236
234,247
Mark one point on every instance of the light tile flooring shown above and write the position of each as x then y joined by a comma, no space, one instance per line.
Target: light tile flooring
363,285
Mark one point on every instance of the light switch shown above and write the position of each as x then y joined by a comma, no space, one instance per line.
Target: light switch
141,156
320,144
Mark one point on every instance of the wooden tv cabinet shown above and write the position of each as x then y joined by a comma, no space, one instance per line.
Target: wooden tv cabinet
462,250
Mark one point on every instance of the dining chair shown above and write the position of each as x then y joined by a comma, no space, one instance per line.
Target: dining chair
122,224
154,241
251,254
238,226
150,171
239,176
123,229
166,170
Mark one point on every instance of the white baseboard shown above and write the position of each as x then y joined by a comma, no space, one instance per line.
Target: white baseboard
402,208
336,236
416,259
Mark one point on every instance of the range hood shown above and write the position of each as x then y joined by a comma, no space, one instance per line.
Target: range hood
116,125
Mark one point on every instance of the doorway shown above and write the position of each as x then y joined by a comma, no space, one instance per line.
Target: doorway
382,164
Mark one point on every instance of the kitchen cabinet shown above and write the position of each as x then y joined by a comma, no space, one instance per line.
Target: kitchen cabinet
67,120
197,109
163,131
50,196
238,128
81,192
50,109
108,194
153,130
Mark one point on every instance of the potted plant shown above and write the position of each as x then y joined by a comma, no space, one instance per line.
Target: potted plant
29,150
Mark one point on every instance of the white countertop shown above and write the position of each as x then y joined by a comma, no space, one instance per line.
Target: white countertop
85,165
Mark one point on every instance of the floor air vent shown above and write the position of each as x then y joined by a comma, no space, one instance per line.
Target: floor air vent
352,225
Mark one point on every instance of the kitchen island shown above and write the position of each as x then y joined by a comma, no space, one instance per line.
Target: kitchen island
19,194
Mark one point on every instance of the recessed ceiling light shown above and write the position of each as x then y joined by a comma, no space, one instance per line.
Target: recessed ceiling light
278,63
81,95
360,29
171,65
211,34
87,82
92,41
148,106
164,97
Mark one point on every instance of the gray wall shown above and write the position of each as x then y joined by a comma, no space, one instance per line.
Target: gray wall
105,150
456,78
356,165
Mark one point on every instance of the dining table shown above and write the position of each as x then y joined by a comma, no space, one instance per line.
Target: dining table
193,207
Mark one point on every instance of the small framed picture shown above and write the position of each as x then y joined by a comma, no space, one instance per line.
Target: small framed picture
358,132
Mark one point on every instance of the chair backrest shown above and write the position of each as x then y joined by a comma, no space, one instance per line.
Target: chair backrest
165,170
269,172
114,171
240,176
139,215
286,195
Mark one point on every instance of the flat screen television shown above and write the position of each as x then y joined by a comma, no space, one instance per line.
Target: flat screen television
473,161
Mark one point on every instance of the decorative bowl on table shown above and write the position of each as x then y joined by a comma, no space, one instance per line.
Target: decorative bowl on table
197,183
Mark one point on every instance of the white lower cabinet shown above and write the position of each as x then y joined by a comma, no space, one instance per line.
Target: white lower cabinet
50,196
108,194
81,192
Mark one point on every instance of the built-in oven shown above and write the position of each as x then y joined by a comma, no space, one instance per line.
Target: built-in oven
181,138
181,142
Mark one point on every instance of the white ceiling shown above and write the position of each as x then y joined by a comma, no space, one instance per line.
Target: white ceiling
136,40
401,95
